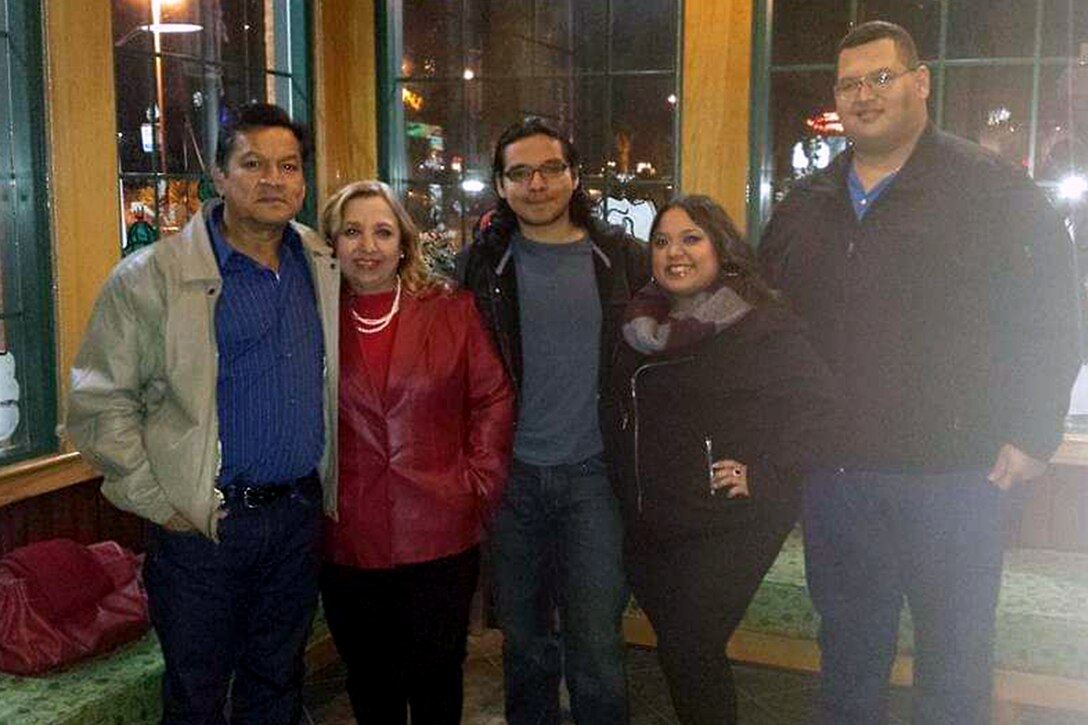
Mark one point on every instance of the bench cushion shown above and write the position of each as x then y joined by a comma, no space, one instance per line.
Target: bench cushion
1042,615
121,687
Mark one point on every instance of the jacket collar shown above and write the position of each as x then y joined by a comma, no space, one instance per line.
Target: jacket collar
597,234
196,257
922,161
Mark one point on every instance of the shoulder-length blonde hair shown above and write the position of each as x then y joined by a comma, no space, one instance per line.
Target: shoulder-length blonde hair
414,273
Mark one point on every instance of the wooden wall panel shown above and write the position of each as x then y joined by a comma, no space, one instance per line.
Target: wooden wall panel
715,101
76,512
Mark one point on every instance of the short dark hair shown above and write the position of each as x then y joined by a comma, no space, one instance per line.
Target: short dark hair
880,30
581,206
257,115
739,268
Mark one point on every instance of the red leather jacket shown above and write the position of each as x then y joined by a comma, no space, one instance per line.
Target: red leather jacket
421,466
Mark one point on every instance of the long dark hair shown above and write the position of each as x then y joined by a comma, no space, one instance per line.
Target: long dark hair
739,268
504,221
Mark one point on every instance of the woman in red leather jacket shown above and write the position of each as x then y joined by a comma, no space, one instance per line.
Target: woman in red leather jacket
425,426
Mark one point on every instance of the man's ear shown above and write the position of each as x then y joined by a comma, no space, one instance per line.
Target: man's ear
218,178
922,79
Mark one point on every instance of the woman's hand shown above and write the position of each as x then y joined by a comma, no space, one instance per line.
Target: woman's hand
729,475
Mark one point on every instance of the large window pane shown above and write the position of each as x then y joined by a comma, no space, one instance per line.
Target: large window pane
466,69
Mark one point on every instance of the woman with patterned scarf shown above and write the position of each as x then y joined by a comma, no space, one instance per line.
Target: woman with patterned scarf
717,405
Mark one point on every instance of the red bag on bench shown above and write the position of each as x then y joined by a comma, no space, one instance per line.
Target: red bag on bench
61,602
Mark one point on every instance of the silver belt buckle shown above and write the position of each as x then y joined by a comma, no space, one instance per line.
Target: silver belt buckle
245,498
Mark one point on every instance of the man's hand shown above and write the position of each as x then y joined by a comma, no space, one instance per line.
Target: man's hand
179,524
1013,466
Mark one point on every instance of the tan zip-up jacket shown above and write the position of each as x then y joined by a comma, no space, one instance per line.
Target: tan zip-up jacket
142,406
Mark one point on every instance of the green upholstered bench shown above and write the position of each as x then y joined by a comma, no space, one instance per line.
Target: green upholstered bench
1041,651
120,688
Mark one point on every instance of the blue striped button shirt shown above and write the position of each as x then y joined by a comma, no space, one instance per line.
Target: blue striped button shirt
271,364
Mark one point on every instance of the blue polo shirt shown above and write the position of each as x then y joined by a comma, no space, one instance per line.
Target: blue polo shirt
861,199
271,364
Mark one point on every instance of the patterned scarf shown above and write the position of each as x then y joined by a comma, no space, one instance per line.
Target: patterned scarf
655,322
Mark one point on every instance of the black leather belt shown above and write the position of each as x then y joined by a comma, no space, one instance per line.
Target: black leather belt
259,495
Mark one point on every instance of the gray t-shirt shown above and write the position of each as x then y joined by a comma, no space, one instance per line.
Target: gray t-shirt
560,316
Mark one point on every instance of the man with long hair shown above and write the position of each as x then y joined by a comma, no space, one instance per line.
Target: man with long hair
551,282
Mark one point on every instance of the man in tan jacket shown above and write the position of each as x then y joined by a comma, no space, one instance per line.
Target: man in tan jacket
205,392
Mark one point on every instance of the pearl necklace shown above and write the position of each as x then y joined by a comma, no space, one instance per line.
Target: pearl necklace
367,326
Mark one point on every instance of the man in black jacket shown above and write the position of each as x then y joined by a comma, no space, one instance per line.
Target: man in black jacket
552,284
937,284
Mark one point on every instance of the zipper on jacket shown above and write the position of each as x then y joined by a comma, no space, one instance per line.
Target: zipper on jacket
708,448
634,412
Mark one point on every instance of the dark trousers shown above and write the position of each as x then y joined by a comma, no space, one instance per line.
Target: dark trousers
872,540
402,634
557,544
241,608
695,593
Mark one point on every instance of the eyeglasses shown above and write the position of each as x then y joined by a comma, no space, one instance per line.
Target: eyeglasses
877,81
550,170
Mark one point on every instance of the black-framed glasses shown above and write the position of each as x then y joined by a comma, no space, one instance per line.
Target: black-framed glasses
550,170
877,81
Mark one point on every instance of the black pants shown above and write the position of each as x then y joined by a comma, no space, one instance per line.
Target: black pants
402,634
695,592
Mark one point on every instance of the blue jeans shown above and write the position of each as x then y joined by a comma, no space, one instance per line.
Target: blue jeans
241,608
873,540
557,543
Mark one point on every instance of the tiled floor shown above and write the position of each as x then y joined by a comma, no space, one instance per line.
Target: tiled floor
767,696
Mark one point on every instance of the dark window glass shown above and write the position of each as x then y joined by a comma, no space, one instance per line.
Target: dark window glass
27,394
432,38
992,107
452,99
804,129
808,32
997,29
921,18
642,105
1062,141
1065,29
644,35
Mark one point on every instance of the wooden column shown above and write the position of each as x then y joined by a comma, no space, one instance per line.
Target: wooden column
715,98
345,82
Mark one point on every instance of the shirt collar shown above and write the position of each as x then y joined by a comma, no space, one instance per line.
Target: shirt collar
225,253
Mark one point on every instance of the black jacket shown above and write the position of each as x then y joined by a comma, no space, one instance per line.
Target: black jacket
947,313
756,393
621,265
